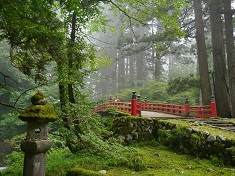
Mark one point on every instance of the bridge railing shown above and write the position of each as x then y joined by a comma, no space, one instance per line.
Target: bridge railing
164,108
134,108
182,110
124,107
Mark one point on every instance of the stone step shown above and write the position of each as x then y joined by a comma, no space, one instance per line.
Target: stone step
221,124
217,122
230,128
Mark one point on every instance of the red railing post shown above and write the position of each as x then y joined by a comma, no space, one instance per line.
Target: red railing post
213,107
133,104
186,107
110,99
145,103
139,105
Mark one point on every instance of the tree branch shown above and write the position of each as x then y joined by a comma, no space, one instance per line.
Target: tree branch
125,13
11,106
29,90
6,76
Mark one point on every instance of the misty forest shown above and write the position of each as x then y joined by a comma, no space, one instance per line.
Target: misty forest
80,53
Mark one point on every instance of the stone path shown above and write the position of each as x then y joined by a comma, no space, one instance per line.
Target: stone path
157,114
222,124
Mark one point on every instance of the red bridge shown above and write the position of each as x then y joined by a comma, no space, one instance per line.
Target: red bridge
134,108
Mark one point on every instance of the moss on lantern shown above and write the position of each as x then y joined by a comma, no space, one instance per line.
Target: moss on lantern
39,110
45,112
39,99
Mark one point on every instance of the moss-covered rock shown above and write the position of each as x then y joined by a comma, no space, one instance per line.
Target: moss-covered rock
133,129
39,99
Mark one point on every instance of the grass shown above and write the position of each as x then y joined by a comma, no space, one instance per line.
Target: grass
161,161
149,159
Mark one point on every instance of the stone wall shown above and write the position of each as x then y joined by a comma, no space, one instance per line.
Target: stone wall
133,129
183,139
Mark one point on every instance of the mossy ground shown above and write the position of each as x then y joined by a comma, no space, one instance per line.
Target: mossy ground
203,128
151,159
160,161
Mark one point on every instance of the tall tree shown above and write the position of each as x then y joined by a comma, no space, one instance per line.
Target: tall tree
202,54
221,88
230,51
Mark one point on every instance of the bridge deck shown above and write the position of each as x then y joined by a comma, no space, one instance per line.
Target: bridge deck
157,114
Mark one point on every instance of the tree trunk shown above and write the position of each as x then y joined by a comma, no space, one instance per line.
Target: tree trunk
221,93
132,73
202,54
230,52
157,67
70,58
121,72
140,68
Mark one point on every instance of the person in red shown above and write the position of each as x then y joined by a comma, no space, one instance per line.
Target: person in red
117,99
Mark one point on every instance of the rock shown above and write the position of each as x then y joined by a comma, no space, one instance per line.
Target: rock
196,123
195,129
130,125
135,135
211,138
181,172
189,130
158,154
147,129
222,137
39,99
210,170
128,138
121,139
103,171
206,133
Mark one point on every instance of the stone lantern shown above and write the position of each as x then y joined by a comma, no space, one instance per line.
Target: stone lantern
37,143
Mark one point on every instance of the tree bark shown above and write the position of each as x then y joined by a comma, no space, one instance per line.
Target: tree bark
157,67
140,68
221,92
70,58
202,54
230,52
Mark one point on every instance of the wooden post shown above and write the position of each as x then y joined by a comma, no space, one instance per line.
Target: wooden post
139,106
186,107
213,107
110,99
133,104
145,103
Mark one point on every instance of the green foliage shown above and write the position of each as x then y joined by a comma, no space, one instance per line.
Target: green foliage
138,165
112,111
196,141
156,91
15,163
165,136
182,84
216,161
11,126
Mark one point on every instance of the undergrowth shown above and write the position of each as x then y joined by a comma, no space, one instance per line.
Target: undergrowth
147,158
